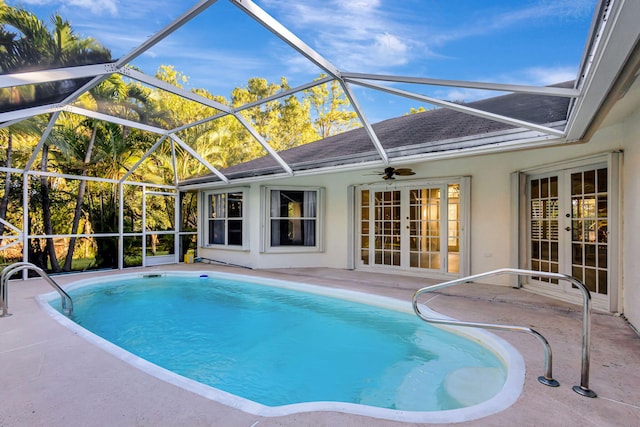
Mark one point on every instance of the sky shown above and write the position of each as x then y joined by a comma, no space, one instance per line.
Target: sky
531,42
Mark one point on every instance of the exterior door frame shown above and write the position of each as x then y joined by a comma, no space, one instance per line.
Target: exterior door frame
406,185
612,301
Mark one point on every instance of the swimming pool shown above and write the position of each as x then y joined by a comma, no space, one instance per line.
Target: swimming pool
256,350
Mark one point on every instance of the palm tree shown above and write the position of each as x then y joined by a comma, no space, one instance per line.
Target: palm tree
99,97
27,44
18,133
33,46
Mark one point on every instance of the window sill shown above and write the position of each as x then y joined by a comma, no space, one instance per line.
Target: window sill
292,250
226,248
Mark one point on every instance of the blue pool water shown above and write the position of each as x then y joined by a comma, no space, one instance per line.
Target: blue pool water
279,346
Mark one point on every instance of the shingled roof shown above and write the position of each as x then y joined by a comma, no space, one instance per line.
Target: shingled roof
431,131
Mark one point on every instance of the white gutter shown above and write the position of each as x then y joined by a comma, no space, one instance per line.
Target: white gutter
613,41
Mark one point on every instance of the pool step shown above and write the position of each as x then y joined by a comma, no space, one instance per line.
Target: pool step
404,386
473,385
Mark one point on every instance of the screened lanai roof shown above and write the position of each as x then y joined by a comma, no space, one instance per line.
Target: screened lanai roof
209,38
414,136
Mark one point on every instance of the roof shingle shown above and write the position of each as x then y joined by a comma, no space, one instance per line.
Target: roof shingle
434,130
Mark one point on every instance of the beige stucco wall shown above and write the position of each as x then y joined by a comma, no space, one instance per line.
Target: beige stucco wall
629,131
334,207
491,228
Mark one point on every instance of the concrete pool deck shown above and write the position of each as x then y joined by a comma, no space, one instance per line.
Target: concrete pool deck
53,377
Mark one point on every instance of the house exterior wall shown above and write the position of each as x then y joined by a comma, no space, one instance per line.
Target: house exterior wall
334,224
491,201
629,131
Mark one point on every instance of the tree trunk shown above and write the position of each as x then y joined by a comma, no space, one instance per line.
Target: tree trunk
4,203
79,201
46,213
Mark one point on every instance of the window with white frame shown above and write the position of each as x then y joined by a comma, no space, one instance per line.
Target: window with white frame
224,223
293,218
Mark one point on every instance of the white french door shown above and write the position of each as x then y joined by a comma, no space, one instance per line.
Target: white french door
569,214
417,227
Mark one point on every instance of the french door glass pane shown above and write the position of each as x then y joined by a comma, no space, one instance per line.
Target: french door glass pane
586,238
364,226
411,228
424,228
544,225
387,227
589,233
453,228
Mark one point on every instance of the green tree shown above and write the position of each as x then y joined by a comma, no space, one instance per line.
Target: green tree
330,108
209,139
284,123
18,135
29,45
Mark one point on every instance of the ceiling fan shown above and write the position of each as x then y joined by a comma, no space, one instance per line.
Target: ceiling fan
390,172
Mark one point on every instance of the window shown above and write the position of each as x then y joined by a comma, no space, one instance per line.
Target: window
293,218
225,218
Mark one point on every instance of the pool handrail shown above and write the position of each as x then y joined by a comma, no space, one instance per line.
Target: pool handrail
65,300
547,379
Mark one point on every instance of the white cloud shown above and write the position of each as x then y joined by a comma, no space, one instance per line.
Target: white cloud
487,21
391,49
354,34
381,35
298,64
464,95
547,76
120,42
537,76
97,7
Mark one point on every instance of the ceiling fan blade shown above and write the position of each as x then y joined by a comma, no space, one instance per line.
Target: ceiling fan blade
404,172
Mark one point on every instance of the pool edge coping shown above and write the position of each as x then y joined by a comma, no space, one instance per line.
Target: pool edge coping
507,396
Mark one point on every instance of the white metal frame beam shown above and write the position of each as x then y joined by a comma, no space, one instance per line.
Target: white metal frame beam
187,16
255,103
137,75
144,157
611,43
536,90
85,88
116,120
174,164
264,144
10,123
285,93
44,76
461,108
198,157
267,21
148,44
367,126
305,50
43,139
26,113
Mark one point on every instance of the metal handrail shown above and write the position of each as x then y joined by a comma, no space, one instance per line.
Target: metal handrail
65,299
547,378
